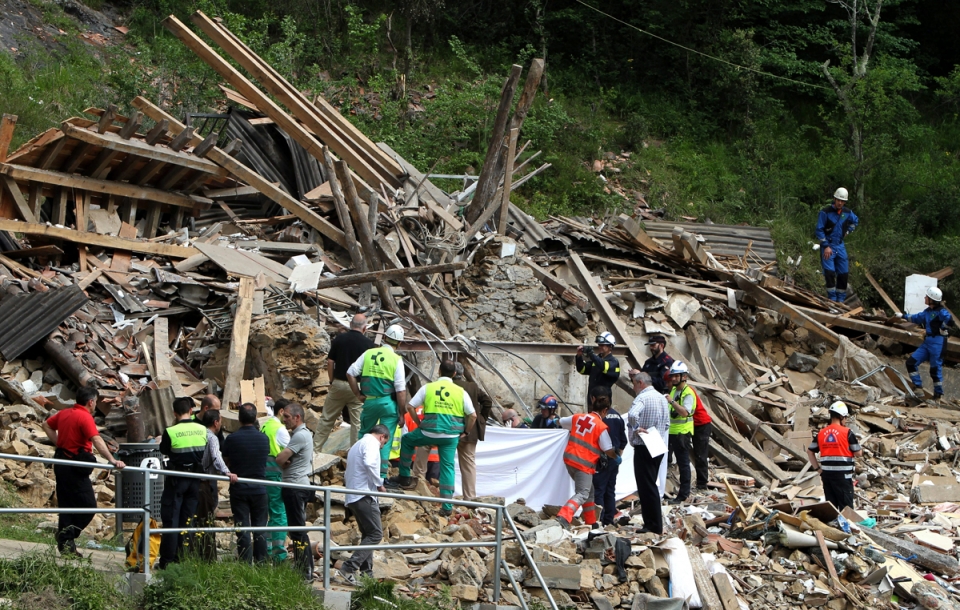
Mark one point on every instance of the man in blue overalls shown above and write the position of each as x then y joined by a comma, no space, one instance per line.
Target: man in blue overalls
833,225
935,319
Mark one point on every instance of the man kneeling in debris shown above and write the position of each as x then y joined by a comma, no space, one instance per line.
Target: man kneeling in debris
447,413
837,445
363,474
589,439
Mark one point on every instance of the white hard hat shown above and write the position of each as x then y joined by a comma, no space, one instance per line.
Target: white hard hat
679,368
606,339
935,294
840,408
841,194
395,332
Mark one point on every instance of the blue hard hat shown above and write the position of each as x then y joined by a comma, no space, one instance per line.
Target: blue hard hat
548,402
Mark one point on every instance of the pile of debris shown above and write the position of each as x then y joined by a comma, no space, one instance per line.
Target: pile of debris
154,258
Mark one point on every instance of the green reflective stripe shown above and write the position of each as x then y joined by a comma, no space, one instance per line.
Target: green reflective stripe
270,428
443,408
568,457
584,444
606,366
379,367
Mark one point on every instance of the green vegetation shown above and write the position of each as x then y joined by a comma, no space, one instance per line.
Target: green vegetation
42,580
747,129
228,585
376,595
20,526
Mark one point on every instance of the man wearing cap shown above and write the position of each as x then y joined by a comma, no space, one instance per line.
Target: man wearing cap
599,364
837,446
834,223
935,320
658,364
547,418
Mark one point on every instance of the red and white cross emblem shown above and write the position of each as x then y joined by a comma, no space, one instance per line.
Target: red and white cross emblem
585,425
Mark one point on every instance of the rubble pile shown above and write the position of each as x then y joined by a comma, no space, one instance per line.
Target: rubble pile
154,257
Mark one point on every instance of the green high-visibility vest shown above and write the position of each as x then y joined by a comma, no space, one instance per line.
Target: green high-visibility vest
379,366
682,425
395,447
443,408
188,441
270,428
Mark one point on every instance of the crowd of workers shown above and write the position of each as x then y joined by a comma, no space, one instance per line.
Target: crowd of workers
443,421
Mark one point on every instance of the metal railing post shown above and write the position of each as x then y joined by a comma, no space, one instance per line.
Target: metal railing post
326,539
513,583
532,563
118,485
497,555
145,534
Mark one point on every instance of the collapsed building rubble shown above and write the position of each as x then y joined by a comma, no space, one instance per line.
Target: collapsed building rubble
154,258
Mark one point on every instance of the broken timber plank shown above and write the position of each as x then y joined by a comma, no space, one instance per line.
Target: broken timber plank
928,558
610,319
557,286
245,174
162,356
94,239
764,298
747,450
736,463
7,124
701,576
238,342
507,183
22,206
107,187
635,230
728,597
412,288
883,293
354,279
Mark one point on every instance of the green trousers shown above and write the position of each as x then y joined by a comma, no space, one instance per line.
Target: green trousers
382,410
446,447
276,516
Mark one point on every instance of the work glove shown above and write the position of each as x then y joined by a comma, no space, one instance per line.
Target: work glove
618,460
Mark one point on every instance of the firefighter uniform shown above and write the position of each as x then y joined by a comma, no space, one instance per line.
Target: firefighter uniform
276,511
681,436
588,440
445,405
935,321
600,371
836,445
184,444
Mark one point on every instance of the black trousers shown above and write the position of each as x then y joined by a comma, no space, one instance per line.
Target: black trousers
208,498
295,501
366,511
74,490
178,508
250,510
838,491
604,488
701,451
646,470
679,446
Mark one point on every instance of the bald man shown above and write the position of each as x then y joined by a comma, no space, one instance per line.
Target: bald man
345,349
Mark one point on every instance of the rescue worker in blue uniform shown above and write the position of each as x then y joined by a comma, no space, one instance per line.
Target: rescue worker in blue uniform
833,225
935,319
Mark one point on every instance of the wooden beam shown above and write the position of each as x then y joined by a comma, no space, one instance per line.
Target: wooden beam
94,239
51,153
766,299
635,230
728,597
762,427
737,463
556,285
926,557
249,176
942,274
60,207
163,357
413,289
240,336
92,185
135,147
745,448
343,212
489,177
50,251
22,206
610,319
76,158
370,165
507,182
131,126
7,124
883,293
106,119
354,279
701,576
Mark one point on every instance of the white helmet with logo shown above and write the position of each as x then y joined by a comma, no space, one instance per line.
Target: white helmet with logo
395,333
840,408
934,294
606,339
841,194
678,368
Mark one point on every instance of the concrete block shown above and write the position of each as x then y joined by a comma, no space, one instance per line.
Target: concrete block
495,607
132,584
557,576
334,600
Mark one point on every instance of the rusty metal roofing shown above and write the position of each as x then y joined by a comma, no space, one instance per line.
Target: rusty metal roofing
28,318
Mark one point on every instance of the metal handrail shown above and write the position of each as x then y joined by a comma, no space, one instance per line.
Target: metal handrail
501,515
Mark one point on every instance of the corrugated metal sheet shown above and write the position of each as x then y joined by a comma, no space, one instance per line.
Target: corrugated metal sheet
729,240
28,318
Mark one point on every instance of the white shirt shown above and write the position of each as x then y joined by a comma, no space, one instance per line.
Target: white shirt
363,467
417,401
605,443
283,437
399,375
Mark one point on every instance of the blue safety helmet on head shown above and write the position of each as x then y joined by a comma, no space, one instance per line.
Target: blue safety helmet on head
548,402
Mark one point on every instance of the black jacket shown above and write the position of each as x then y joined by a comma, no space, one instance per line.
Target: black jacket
656,367
602,371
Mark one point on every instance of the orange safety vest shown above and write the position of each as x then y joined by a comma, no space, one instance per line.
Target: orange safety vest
414,423
836,457
583,446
